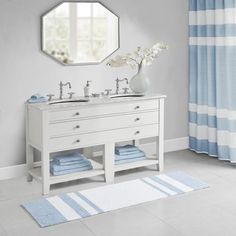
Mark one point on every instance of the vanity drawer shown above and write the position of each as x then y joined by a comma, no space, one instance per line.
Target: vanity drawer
100,110
99,138
103,123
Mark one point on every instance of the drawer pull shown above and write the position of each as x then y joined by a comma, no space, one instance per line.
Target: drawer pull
77,126
77,141
137,119
77,114
137,107
137,132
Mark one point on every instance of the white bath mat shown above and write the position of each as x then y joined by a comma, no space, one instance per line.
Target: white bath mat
71,206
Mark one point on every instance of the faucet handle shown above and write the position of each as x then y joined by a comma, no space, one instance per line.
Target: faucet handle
108,91
125,90
50,97
71,94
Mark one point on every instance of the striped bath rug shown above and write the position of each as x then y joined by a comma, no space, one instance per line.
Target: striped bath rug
72,206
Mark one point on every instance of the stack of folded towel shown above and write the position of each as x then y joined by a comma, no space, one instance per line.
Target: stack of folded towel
69,163
128,153
36,98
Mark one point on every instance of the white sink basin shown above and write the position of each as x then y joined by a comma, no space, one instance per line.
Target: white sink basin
67,101
126,95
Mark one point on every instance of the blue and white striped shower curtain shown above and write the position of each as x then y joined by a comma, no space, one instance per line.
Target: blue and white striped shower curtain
212,82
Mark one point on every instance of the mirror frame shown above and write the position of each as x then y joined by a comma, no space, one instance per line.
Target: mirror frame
80,63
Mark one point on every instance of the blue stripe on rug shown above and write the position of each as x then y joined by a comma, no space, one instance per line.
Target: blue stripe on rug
188,180
111,197
167,185
44,213
89,202
74,205
155,187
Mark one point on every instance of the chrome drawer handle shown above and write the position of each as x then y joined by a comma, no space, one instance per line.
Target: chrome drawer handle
137,132
77,141
77,114
137,119
77,126
137,107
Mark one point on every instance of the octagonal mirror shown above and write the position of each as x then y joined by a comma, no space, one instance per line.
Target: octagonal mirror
75,33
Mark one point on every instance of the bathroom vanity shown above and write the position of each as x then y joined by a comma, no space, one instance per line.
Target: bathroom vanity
54,127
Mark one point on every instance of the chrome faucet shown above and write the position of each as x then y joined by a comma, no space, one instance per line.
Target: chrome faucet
61,88
118,83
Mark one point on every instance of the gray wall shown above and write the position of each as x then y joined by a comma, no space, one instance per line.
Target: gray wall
24,70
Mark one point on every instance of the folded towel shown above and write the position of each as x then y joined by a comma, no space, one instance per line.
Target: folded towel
126,148
68,163
130,156
118,162
55,167
37,98
64,172
69,157
127,153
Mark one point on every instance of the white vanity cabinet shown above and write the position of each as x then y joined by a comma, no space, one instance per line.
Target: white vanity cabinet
101,121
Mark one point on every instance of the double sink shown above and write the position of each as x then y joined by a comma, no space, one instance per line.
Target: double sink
57,102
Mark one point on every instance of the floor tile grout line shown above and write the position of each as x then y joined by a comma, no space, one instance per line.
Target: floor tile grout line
87,227
155,216
223,209
4,230
172,226
148,212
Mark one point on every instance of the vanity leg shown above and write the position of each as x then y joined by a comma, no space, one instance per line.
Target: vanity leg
45,155
160,140
28,148
29,160
109,162
45,173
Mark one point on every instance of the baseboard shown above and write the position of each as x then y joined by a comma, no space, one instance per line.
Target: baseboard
11,172
170,146
177,144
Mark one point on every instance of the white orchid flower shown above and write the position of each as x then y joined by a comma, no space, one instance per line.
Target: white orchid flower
138,57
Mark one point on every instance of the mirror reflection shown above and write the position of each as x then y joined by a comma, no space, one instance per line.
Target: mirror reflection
80,33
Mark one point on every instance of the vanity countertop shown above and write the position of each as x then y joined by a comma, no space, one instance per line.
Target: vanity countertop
92,101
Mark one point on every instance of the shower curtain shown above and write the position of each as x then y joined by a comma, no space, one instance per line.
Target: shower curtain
212,78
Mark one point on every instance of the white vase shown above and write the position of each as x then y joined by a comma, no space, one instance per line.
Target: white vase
139,83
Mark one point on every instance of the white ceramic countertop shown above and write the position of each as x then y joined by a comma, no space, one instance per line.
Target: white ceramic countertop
92,101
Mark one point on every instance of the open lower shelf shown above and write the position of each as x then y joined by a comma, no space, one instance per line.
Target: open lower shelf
151,160
97,170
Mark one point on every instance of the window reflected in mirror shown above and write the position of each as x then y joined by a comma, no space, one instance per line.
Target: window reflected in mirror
80,33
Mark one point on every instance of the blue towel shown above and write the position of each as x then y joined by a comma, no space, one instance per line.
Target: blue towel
64,172
37,98
68,163
124,149
118,162
55,167
69,157
130,156
127,153
37,101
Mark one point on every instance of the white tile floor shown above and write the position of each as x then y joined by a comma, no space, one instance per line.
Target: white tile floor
209,212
